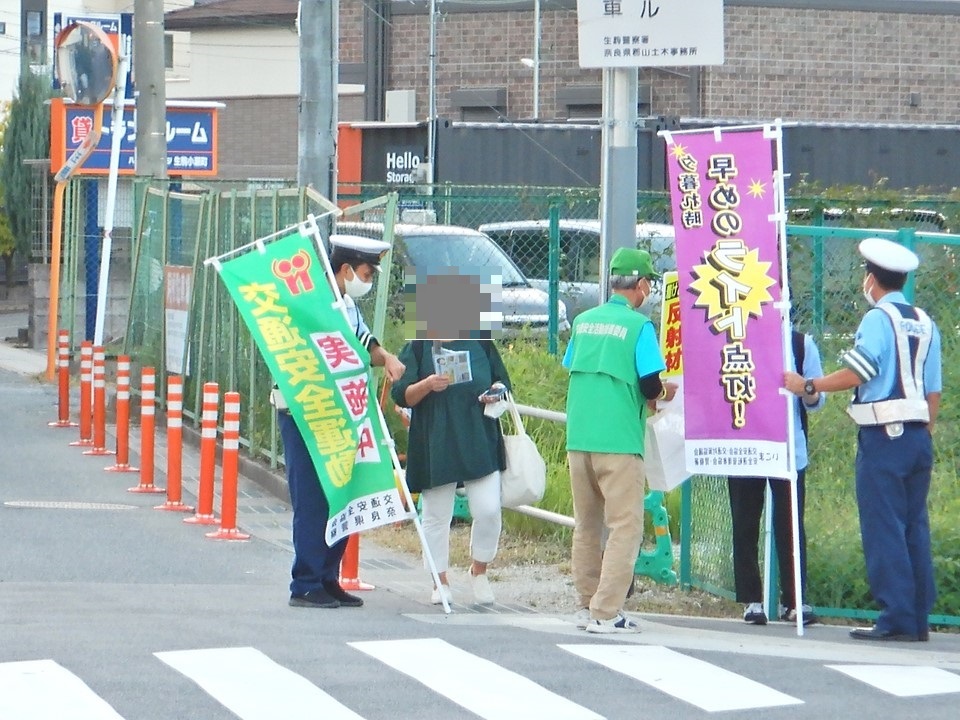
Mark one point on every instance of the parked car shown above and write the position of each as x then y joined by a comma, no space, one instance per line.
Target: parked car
527,242
449,246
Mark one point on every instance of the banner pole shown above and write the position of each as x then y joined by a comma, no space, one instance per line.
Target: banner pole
786,303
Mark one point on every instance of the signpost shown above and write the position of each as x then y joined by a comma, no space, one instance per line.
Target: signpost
620,36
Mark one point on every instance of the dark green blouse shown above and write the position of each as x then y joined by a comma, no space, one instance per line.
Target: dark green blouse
451,440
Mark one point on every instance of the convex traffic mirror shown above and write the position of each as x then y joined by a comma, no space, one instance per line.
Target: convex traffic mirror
86,63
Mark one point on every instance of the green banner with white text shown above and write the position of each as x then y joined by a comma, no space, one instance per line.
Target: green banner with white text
323,372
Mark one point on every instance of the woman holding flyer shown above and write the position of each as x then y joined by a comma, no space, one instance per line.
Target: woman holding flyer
452,441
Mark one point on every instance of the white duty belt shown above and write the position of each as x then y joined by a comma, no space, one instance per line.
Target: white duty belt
276,399
913,406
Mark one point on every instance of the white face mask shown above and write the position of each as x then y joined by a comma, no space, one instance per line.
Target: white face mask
355,287
866,294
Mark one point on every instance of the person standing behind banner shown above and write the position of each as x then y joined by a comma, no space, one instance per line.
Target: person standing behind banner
316,566
895,368
452,441
747,495
615,364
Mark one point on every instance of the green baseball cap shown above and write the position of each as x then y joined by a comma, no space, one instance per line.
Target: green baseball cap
629,261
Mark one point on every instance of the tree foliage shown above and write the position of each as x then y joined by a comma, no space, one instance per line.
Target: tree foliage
26,137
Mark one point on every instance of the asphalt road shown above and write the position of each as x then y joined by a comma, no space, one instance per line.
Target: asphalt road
110,609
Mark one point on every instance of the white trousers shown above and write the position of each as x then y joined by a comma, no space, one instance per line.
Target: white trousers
483,495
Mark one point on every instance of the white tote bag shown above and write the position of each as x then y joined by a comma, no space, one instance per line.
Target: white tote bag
525,479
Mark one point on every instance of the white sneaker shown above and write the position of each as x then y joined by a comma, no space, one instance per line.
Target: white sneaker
435,595
482,593
582,618
618,624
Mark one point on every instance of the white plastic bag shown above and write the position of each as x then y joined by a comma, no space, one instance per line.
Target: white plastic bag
525,479
663,456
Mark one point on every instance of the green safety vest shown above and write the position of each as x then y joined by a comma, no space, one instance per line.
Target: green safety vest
606,412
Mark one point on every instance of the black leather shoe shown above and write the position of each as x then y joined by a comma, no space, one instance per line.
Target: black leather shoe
314,599
923,636
887,636
342,596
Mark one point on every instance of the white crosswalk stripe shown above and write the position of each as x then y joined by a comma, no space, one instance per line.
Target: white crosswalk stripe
903,680
694,681
42,689
482,687
253,686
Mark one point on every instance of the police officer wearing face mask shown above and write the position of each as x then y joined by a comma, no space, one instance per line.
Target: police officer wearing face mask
894,367
316,566
615,364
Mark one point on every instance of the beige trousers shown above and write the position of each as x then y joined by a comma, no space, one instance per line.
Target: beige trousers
608,489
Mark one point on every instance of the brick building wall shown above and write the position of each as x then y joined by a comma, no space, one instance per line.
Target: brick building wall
798,64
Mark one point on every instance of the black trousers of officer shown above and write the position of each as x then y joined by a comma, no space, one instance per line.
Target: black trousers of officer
747,496
314,562
893,481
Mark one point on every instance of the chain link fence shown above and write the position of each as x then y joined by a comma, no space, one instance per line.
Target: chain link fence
181,227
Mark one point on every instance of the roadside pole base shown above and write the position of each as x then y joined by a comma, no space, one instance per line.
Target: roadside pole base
122,468
355,584
62,424
175,507
82,443
199,519
98,451
147,489
225,534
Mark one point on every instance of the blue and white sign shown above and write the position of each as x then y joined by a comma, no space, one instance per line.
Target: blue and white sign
191,139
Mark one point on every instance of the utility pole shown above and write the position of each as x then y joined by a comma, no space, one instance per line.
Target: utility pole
319,70
150,78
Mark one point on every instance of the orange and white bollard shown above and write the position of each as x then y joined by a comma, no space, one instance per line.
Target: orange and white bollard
174,501
230,462
123,417
86,388
63,382
350,566
99,404
148,408
208,457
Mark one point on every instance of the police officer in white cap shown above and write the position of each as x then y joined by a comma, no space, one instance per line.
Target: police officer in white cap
895,368
316,566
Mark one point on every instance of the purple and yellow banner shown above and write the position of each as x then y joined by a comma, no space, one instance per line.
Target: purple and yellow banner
323,373
724,201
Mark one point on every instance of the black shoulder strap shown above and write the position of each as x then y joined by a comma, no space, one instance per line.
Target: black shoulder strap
798,358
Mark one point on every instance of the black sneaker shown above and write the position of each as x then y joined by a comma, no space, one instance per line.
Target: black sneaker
314,599
754,614
342,596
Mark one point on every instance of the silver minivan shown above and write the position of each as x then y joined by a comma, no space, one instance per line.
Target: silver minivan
527,242
450,246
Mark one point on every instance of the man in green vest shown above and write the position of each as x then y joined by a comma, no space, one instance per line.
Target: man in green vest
615,364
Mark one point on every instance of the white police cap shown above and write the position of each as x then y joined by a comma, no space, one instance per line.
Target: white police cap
363,249
889,255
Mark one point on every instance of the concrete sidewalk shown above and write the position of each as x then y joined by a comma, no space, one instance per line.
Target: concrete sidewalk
263,508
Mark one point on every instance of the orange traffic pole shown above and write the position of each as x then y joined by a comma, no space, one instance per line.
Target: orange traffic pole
174,447
208,457
86,382
63,382
99,405
123,417
230,461
350,566
148,406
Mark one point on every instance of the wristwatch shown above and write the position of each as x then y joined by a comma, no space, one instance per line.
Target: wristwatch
808,388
